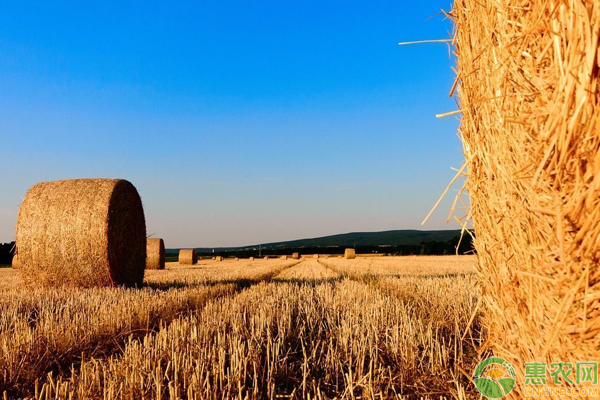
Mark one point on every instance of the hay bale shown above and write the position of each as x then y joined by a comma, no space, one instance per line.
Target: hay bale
316,256
251,258
155,253
82,233
349,254
266,257
218,258
530,98
236,259
283,257
15,261
295,256
188,257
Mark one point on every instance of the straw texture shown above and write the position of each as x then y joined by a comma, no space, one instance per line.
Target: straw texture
350,254
188,257
155,253
82,233
529,93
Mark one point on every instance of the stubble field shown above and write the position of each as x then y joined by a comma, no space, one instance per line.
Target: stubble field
377,327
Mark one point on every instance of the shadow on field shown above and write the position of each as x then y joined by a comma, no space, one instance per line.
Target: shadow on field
239,283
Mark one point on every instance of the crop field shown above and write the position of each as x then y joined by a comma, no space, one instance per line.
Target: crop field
376,327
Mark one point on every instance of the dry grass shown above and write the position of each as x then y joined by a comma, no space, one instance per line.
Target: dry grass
250,329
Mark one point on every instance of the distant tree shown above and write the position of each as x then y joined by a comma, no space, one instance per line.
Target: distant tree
7,252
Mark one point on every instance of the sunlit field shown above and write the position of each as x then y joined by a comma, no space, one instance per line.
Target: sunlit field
376,327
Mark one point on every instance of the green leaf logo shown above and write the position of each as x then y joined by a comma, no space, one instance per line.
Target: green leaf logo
494,377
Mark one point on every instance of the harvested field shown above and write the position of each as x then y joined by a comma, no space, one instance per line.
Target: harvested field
385,327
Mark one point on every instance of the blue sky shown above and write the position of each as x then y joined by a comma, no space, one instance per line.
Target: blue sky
238,122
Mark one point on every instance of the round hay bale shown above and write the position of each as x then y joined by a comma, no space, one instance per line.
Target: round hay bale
15,261
349,254
266,257
155,253
251,258
236,259
283,257
188,257
219,258
295,256
316,256
530,107
82,233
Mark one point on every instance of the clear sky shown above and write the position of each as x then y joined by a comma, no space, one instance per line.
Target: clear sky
238,122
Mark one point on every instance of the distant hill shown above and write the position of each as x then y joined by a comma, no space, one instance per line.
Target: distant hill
385,238
354,239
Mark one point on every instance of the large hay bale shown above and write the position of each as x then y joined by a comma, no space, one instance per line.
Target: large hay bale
349,254
295,256
155,253
82,233
188,257
283,257
530,98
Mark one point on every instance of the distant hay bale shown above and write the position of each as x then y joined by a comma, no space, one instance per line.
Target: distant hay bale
316,256
218,258
236,259
266,257
251,259
283,257
188,257
155,253
529,95
15,261
82,233
295,256
349,254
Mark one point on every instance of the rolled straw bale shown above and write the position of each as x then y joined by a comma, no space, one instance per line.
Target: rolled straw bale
266,257
316,256
236,259
82,233
283,257
530,98
251,258
155,253
349,254
188,257
15,261
295,256
218,258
